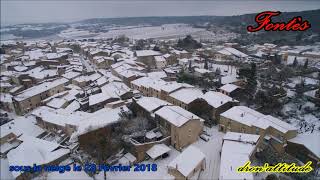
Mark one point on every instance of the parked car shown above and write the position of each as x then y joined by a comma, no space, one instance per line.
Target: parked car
205,137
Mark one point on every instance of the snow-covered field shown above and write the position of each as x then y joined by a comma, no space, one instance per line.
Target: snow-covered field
166,31
75,33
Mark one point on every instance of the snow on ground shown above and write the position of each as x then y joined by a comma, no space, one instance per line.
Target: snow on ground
308,81
5,173
166,31
161,173
212,150
308,114
179,30
81,175
75,33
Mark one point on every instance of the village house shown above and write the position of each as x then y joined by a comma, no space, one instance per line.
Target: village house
85,80
35,151
32,97
100,126
184,62
245,120
161,62
98,52
230,53
58,121
146,106
170,59
237,149
127,71
102,62
188,164
183,126
211,104
60,57
305,147
231,90
5,87
117,90
181,54
171,87
98,101
183,97
147,57
10,132
200,72
6,102
143,84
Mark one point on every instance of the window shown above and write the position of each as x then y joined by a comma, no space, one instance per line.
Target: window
229,125
257,131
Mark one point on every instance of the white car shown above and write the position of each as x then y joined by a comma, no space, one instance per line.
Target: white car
205,137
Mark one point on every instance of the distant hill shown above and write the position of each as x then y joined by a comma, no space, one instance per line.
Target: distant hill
241,20
236,24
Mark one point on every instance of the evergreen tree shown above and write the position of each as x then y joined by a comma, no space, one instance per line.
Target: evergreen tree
206,64
306,64
253,70
218,71
190,67
295,62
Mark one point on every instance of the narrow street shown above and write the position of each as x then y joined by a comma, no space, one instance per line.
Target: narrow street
212,150
86,64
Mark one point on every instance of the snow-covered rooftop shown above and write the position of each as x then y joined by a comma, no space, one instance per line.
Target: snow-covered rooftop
310,141
98,98
99,119
21,125
232,51
250,117
235,153
71,74
57,103
187,95
39,89
142,53
216,99
158,150
160,58
34,151
188,160
176,115
229,87
55,55
151,103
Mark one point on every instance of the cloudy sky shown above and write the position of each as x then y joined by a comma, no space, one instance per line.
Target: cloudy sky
34,11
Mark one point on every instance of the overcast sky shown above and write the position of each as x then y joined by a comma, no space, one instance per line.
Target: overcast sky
15,11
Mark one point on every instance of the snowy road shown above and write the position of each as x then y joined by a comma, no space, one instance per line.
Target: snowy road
212,150
86,64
